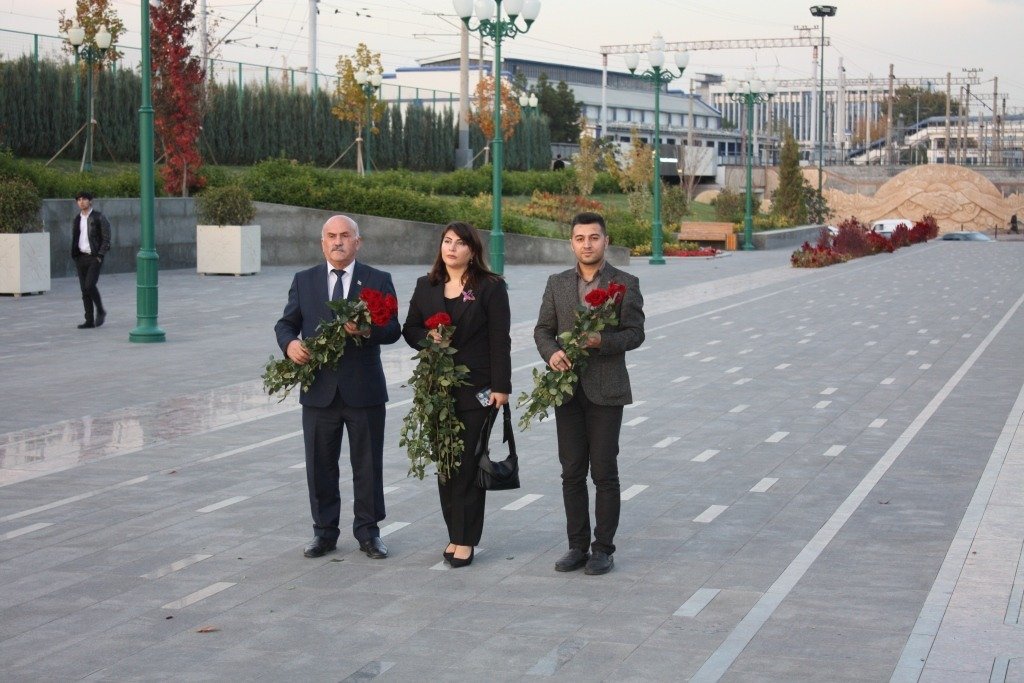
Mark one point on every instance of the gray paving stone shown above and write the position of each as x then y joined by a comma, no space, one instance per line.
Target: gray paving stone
75,603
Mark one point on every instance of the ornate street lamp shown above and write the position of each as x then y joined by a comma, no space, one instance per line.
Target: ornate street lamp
370,85
146,262
491,25
822,11
528,103
749,92
659,76
92,52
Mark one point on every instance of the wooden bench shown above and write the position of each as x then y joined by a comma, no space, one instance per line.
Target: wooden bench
708,231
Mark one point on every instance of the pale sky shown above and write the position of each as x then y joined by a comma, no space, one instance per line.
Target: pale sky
921,38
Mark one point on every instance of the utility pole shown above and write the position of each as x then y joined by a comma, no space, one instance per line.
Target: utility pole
464,155
949,87
888,124
972,73
995,119
311,66
203,40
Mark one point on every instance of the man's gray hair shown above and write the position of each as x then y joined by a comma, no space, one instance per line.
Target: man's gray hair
351,221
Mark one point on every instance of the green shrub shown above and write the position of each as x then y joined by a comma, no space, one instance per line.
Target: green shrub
674,205
53,184
19,206
770,221
226,205
464,182
728,206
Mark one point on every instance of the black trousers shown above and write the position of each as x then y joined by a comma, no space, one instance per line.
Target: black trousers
588,438
462,501
322,432
88,267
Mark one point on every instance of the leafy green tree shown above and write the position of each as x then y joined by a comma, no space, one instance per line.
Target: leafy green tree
788,200
559,104
585,163
907,100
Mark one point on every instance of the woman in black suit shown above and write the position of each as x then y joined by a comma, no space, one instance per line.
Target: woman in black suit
460,284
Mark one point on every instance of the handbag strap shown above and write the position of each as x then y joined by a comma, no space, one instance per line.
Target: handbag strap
509,436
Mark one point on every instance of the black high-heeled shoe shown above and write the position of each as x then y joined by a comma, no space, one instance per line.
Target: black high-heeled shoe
457,562
448,555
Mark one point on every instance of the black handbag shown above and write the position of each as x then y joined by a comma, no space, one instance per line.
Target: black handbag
503,475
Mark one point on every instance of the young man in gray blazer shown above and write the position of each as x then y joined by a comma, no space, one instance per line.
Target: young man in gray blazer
588,424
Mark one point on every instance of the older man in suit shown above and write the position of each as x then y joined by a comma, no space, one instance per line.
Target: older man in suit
588,425
349,397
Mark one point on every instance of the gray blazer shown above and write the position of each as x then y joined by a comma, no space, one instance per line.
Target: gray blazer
604,378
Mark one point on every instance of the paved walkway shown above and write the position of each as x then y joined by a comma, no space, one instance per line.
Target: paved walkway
821,477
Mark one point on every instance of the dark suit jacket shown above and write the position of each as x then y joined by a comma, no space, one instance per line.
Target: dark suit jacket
99,234
359,375
604,378
481,339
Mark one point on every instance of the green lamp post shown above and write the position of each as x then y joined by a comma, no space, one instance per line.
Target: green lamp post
529,106
91,53
822,11
659,76
749,92
146,328
491,25
370,84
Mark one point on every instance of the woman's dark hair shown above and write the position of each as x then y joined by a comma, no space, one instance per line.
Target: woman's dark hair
477,270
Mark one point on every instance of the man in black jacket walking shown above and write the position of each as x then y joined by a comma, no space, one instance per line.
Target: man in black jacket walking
90,241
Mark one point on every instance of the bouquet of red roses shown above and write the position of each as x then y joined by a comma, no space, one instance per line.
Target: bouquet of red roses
555,387
431,431
327,346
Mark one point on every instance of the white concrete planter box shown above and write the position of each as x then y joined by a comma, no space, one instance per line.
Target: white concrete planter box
25,263
227,249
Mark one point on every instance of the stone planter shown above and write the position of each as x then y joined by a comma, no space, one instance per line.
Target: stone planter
227,249
25,263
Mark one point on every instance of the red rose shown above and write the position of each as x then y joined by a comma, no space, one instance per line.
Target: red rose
616,291
381,307
596,297
437,320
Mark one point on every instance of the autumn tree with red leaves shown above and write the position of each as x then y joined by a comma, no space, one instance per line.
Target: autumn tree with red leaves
177,95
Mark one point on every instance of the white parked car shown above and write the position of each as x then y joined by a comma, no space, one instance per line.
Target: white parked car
886,226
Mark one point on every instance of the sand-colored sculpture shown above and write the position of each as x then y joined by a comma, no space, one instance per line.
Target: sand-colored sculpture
958,197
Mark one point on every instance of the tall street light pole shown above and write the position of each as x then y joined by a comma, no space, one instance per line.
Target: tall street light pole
370,84
659,77
491,25
749,92
529,106
821,11
92,53
146,329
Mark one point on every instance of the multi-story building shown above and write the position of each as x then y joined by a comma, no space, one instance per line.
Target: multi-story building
628,104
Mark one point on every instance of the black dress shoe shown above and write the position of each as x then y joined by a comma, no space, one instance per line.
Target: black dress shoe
457,562
319,547
87,325
599,563
100,317
572,560
374,548
447,555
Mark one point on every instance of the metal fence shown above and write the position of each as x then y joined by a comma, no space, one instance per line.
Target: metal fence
14,44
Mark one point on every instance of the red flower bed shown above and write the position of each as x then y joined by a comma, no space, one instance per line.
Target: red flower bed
703,251
854,240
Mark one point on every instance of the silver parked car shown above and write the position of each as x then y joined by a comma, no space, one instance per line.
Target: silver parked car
886,226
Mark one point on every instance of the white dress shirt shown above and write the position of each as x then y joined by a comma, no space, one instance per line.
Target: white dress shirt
83,233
